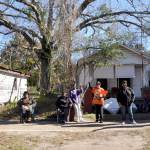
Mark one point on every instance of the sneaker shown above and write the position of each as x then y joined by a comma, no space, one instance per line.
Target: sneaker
101,121
123,123
81,120
133,122
63,122
78,121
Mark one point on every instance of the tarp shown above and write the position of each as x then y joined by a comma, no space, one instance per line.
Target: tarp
112,106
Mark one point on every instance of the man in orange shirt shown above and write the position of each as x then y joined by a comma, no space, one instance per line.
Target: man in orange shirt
98,101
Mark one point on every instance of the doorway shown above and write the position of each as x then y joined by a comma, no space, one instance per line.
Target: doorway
103,83
119,81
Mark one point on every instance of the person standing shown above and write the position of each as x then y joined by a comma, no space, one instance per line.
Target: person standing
80,94
74,96
125,98
98,101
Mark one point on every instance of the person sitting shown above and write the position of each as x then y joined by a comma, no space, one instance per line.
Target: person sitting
63,105
26,108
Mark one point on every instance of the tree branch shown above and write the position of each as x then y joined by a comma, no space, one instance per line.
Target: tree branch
6,33
124,22
50,14
14,16
130,13
83,6
15,28
33,7
18,10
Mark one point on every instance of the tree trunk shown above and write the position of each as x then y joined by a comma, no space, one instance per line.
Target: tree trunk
45,76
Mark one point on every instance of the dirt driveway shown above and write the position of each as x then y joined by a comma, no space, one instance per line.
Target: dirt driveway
83,136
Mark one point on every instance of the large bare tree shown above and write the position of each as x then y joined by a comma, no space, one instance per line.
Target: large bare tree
49,25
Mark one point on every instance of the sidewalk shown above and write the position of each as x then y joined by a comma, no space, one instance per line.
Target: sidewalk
46,126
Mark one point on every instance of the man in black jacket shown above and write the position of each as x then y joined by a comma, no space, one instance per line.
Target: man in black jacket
125,99
63,105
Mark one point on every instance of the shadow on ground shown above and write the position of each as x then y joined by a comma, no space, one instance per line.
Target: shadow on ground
96,126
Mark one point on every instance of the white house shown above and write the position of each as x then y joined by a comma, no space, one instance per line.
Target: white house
12,85
133,66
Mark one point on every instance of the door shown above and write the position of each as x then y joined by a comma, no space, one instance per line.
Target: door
119,81
103,83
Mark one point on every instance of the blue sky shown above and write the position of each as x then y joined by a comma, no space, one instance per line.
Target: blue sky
112,3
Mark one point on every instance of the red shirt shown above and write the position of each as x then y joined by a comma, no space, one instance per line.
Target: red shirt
99,94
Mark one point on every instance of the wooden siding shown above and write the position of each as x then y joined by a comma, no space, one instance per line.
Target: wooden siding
11,87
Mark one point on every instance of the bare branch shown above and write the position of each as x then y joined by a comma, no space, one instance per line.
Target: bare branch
124,22
14,27
6,33
33,7
14,16
18,10
130,13
50,14
83,6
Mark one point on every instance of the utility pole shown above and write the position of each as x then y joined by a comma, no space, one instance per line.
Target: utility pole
142,51
141,32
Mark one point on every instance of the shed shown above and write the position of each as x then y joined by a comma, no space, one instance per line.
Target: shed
12,85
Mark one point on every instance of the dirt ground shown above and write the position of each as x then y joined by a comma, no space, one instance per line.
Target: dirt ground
72,136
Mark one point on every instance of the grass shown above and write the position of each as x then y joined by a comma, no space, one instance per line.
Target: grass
13,142
45,106
8,111
89,116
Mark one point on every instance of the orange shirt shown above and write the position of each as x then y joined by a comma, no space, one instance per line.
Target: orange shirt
99,94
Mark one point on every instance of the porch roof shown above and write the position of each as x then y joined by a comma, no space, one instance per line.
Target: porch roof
5,70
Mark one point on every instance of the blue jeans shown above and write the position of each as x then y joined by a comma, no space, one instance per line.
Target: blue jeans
125,109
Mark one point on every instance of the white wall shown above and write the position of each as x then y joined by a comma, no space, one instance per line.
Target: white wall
137,81
6,85
125,71
129,58
84,76
104,72
147,75
21,87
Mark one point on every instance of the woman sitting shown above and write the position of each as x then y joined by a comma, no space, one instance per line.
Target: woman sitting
27,107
